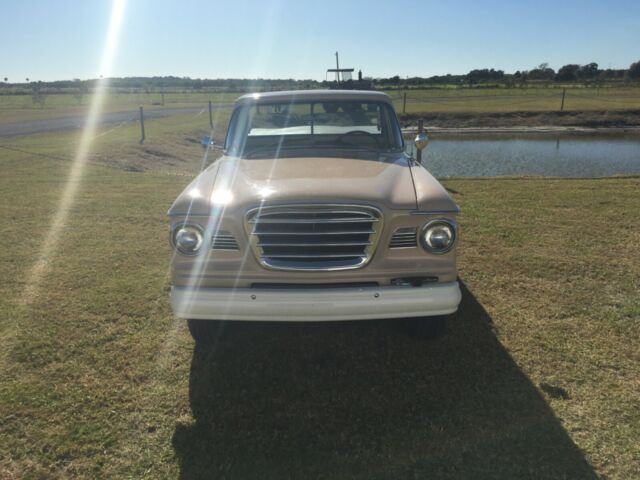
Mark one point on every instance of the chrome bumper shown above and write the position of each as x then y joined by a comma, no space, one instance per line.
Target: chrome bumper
335,304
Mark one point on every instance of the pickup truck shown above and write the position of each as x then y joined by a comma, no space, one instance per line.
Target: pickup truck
314,212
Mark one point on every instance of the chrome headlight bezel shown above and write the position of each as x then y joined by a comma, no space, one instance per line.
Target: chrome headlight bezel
430,226
175,231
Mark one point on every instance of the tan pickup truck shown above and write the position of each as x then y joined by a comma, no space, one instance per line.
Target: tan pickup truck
314,213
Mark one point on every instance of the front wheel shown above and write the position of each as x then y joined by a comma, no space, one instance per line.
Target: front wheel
205,331
427,328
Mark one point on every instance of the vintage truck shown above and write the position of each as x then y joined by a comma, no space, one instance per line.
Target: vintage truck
314,213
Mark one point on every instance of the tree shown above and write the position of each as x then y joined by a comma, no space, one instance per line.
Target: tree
484,75
634,70
542,72
588,71
522,78
567,73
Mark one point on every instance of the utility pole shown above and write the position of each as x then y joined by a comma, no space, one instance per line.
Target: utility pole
418,150
340,71
142,136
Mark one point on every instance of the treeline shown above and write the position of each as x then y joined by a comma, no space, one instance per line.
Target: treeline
588,74
168,84
572,73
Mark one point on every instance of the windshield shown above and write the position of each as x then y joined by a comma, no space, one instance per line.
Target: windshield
264,129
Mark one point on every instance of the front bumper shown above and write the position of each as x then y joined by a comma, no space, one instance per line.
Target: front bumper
334,304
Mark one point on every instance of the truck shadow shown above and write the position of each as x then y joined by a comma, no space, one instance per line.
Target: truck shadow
362,400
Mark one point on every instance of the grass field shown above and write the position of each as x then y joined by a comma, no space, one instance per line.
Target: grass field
514,100
14,108
537,378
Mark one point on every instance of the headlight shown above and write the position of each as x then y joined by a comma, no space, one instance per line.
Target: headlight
438,236
187,239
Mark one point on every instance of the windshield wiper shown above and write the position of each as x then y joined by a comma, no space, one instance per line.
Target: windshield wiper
360,147
284,148
274,146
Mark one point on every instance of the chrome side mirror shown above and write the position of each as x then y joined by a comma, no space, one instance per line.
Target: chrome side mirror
421,141
206,142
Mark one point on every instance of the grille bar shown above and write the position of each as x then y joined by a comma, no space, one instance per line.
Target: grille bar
318,213
323,244
404,238
314,255
355,232
314,220
313,237
224,241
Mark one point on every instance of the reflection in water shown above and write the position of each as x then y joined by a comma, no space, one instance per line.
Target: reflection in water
565,156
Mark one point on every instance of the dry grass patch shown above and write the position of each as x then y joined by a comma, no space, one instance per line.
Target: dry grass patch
538,378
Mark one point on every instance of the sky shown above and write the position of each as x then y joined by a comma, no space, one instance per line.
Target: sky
64,39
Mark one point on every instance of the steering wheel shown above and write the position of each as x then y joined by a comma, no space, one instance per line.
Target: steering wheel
360,132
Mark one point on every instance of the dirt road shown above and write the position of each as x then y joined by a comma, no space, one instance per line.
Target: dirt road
51,125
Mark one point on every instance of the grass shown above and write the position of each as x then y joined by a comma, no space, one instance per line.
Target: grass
537,378
516,100
15,108
501,100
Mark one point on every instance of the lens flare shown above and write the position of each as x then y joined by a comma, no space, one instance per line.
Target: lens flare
59,221
221,196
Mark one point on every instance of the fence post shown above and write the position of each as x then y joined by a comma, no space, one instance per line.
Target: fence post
564,91
142,137
418,151
404,103
210,115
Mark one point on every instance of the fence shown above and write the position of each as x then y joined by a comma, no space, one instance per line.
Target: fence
409,103
511,100
424,102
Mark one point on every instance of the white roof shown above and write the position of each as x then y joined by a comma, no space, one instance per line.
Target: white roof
320,95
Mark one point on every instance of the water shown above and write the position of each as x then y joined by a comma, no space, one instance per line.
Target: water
584,155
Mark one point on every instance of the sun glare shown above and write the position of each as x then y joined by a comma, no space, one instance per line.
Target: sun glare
52,238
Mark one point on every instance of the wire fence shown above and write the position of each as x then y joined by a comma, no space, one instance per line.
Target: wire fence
415,101
412,102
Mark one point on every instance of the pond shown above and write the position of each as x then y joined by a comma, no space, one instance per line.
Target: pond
565,155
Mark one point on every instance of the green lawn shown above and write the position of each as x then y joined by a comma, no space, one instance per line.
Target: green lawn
516,99
537,378
17,108
14,108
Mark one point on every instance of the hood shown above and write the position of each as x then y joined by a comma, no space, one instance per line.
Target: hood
236,182
240,184
431,196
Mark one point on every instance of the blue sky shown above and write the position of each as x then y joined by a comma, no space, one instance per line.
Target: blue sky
62,39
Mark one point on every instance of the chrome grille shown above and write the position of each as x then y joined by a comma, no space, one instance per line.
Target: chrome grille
404,238
313,237
224,241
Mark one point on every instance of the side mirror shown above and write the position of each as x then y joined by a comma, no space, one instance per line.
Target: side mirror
206,142
421,141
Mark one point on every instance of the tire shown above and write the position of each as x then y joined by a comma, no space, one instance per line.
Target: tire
427,328
206,332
